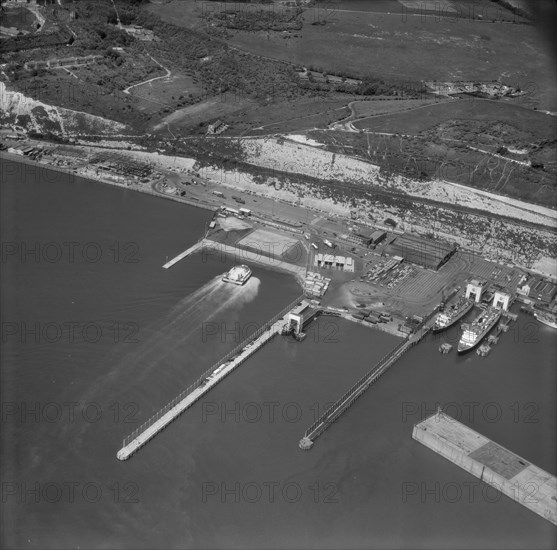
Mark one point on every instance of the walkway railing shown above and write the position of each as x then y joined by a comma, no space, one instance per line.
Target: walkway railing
228,356
349,397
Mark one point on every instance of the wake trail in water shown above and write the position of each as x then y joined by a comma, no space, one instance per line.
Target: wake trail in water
181,322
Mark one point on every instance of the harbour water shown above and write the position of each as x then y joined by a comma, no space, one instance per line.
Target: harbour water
229,473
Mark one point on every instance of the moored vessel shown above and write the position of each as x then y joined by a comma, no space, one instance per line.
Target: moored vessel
546,318
474,332
451,314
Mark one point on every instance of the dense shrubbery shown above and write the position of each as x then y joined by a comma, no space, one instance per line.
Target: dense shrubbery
28,42
259,20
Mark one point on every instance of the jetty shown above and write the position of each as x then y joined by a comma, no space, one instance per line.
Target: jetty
504,470
209,379
445,348
483,350
358,389
191,250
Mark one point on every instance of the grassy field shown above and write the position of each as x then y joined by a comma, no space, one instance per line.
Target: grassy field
377,106
19,17
244,116
164,94
409,48
281,117
419,120
195,118
434,8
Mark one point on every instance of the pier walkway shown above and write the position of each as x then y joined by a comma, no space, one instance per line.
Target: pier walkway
205,383
198,245
358,389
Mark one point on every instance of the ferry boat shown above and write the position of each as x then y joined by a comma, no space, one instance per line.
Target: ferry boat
238,275
474,333
546,319
450,315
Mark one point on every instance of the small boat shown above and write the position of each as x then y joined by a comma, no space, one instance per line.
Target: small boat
546,319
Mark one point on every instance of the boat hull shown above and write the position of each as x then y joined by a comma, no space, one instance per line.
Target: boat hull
236,281
546,322
436,329
238,275
464,347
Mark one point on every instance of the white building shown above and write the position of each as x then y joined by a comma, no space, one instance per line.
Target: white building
475,288
501,300
329,261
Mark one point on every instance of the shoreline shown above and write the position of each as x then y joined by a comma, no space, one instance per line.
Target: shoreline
227,249
72,173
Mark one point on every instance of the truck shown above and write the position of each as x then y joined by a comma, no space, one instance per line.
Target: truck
245,211
218,194
239,199
329,243
315,246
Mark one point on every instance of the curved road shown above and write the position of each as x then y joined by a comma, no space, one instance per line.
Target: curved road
167,75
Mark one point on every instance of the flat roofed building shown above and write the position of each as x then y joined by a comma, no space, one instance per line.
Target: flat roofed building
330,261
377,236
540,289
421,251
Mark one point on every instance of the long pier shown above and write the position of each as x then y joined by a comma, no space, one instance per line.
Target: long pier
204,383
349,397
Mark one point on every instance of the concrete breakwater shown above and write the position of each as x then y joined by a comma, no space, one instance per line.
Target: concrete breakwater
507,472
204,383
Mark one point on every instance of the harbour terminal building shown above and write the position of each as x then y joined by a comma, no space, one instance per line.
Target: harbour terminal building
421,251
366,237
329,261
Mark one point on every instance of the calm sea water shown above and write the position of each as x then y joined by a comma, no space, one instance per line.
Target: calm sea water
228,473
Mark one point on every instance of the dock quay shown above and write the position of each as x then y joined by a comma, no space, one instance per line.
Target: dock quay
245,255
205,382
510,315
507,472
483,350
349,397
191,250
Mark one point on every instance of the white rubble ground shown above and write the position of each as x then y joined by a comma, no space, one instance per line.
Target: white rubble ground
305,140
287,156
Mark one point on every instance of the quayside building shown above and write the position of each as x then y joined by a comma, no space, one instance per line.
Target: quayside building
421,251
